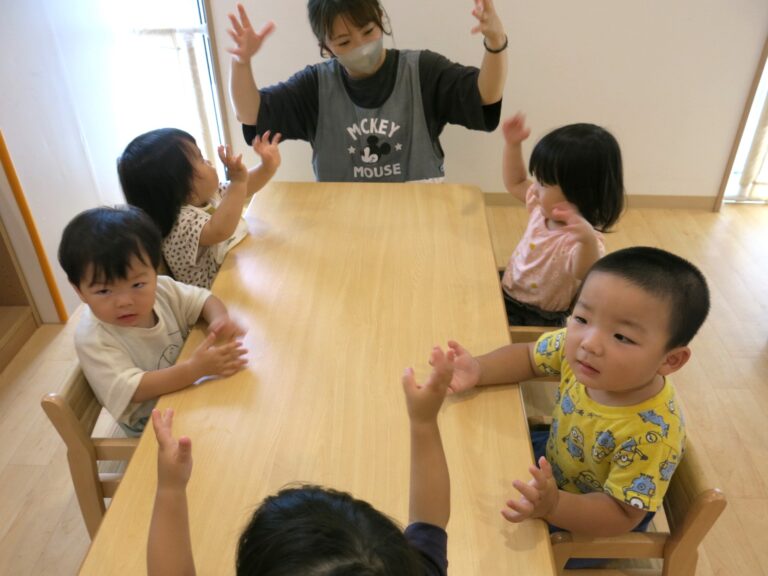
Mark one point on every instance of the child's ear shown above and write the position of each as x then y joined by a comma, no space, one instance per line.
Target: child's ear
674,360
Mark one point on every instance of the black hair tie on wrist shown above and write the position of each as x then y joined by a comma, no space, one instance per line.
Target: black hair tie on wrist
497,50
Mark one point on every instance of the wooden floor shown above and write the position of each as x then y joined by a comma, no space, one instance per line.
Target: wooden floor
724,391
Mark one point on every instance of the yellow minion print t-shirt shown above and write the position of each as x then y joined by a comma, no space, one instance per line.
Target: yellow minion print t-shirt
629,452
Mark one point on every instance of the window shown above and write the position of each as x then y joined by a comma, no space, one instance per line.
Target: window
163,73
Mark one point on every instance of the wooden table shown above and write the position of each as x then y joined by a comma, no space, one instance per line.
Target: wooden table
341,287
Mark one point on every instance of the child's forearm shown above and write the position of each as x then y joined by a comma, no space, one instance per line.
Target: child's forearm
228,213
514,172
155,383
430,496
511,363
586,254
213,309
595,514
169,550
244,93
259,176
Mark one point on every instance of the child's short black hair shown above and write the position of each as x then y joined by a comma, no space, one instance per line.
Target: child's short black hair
668,277
156,174
585,161
322,13
107,239
315,531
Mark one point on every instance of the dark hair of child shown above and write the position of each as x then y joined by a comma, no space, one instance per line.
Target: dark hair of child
585,161
314,531
156,174
322,14
668,277
107,239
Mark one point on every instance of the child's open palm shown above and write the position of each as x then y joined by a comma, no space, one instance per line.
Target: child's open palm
174,457
466,369
515,130
247,40
223,360
424,400
538,497
268,150
236,170
574,222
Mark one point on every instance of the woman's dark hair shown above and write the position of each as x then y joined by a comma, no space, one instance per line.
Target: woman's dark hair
667,277
313,531
585,161
322,14
107,239
156,173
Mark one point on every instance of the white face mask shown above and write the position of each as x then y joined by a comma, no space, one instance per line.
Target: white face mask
363,59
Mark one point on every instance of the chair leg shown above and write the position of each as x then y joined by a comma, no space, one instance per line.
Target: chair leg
680,565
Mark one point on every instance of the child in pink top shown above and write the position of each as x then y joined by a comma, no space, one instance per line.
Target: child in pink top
578,193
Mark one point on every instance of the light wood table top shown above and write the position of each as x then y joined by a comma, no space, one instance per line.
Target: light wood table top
342,286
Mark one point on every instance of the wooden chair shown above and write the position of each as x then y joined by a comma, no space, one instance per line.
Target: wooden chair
691,506
73,412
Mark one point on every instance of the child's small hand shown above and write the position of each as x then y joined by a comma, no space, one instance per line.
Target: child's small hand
236,170
247,40
226,328
424,401
224,360
466,369
539,496
489,23
575,223
515,130
174,457
268,151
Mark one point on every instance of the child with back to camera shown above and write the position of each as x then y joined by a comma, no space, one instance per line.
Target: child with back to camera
136,322
617,433
577,194
316,531
370,114
164,173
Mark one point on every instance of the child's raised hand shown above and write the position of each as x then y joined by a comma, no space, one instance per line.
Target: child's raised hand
247,40
268,150
575,223
515,130
223,360
226,328
466,369
488,22
236,170
424,401
539,496
174,457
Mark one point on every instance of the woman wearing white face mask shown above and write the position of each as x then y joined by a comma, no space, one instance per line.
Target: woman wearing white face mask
370,114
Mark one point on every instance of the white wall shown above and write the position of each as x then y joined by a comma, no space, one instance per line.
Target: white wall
670,79
43,126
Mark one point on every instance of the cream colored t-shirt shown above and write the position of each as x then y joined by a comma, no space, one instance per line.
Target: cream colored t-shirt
114,358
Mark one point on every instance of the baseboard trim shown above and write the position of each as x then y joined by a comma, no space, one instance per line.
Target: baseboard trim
633,201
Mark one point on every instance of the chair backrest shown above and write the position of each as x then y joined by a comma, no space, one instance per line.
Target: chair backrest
73,412
691,504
